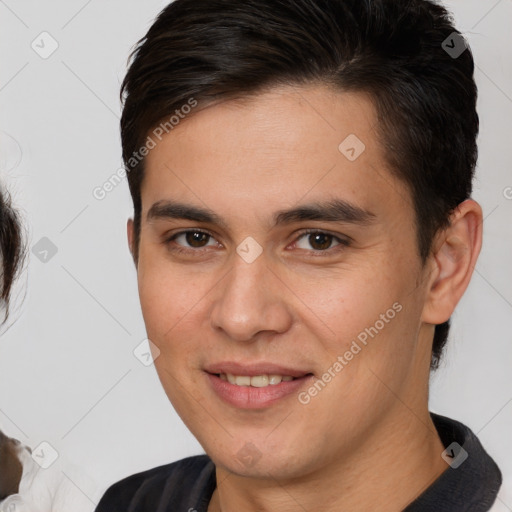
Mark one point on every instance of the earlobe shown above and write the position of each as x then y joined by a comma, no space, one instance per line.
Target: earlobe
454,258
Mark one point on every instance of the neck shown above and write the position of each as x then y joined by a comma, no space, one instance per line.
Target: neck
392,468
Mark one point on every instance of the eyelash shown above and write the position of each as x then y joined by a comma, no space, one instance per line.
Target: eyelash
342,242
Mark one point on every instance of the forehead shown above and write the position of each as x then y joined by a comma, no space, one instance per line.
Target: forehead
274,149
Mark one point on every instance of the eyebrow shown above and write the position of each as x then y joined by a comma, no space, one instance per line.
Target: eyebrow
335,210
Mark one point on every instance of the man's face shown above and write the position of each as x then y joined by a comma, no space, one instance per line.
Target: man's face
340,307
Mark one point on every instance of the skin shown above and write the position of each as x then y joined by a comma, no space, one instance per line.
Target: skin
366,440
11,468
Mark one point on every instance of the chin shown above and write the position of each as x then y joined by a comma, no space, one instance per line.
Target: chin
260,459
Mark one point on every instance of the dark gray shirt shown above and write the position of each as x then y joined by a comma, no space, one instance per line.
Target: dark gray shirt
187,485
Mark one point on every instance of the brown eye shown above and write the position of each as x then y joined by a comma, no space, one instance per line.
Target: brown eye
320,242
190,240
196,238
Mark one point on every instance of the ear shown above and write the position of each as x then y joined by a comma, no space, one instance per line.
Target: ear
131,239
453,259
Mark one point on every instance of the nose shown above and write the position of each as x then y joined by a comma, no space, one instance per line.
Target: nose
250,300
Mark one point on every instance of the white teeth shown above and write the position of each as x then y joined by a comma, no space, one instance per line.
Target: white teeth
274,379
243,380
257,381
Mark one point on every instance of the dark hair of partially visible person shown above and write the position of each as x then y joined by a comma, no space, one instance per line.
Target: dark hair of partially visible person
213,50
12,250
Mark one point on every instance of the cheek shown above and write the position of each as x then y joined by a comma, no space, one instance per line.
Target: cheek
167,296
171,305
346,302
174,303
370,318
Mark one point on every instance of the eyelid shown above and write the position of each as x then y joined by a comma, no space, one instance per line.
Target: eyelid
343,240
340,237
169,238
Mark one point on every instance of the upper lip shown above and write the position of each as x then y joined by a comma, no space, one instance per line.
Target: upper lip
253,369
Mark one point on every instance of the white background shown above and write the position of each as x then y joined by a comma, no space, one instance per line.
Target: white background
68,375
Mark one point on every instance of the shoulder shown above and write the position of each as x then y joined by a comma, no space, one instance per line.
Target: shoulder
164,487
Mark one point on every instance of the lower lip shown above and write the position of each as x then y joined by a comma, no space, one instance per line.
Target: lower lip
249,397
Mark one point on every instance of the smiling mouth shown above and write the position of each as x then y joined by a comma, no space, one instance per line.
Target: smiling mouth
257,381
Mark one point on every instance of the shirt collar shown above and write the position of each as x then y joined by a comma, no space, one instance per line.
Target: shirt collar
472,481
